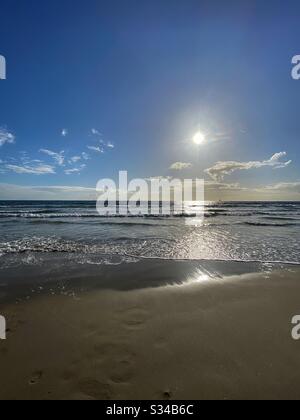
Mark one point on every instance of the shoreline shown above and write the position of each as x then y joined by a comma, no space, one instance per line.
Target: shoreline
57,275
207,338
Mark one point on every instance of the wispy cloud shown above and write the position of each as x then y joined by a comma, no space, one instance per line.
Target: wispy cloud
214,191
58,157
102,143
75,159
223,186
97,149
17,192
6,137
96,132
285,187
75,170
180,166
38,169
221,169
85,156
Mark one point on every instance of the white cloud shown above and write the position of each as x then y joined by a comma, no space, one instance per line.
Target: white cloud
283,191
96,149
58,157
285,187
85,156
221,169
103,144
276,158
96,132
215,191
75,170
39,169
179,166
222,186
75,159
6,137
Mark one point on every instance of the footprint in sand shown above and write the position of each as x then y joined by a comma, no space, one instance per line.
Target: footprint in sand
167,395
122,372
36,377
134,318
119,356
95,389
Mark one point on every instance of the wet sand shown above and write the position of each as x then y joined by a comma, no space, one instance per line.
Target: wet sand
207,338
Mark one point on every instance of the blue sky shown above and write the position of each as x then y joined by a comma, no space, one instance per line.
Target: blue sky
94,87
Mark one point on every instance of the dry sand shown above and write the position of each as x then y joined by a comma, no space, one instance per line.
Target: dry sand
222,339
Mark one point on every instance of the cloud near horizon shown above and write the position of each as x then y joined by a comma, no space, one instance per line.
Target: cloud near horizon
18,192
214,191
285,186
221,169
39,169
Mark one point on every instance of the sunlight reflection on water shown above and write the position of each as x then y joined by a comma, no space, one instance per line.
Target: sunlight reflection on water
202,276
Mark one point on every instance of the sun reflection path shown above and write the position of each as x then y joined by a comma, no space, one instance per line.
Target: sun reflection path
202,276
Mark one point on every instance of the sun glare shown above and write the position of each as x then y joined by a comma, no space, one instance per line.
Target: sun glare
199,138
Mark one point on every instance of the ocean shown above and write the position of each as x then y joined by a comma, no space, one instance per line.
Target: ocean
94,305
231,231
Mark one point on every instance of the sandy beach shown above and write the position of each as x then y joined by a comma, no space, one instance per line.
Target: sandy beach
149,202
206,338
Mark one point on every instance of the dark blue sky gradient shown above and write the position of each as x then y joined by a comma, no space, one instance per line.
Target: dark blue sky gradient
148,75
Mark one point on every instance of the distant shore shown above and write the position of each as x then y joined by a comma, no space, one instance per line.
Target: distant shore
202,338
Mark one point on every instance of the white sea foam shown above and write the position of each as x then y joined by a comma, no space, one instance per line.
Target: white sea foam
242,232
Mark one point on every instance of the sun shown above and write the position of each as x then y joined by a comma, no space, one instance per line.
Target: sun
199,138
